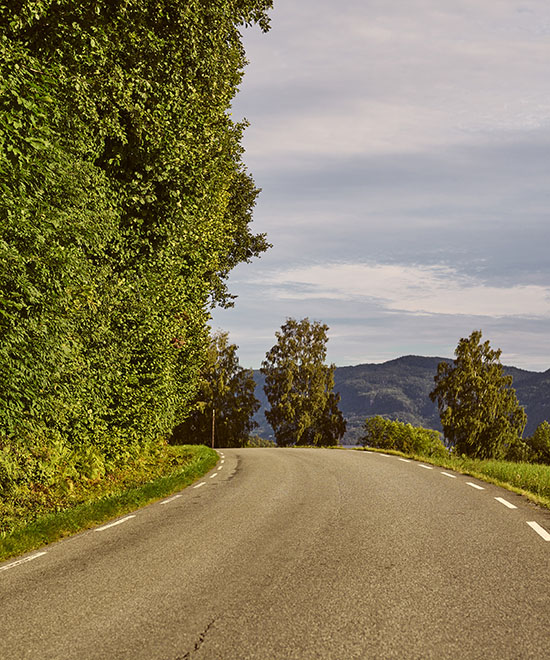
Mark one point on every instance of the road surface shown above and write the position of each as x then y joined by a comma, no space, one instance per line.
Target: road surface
294,553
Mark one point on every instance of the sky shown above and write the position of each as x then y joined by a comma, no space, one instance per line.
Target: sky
403,152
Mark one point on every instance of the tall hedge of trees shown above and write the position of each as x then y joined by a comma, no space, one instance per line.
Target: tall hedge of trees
124,203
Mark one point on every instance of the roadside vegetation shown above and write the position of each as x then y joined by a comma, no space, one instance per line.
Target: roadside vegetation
482,422
124,205
51,514
527,479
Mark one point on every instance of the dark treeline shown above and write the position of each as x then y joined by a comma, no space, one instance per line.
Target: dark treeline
299,386
124,205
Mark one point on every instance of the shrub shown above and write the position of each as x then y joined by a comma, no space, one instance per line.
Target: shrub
539,443
383,433
257,441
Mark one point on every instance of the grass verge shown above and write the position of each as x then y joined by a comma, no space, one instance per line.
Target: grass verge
528,479
123,492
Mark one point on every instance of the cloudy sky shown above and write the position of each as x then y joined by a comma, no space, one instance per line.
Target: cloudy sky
403,149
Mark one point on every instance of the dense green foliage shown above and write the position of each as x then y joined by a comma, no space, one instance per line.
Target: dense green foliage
124,204
384,433
258,441
299,387
225,400
479,410
539,444
534,448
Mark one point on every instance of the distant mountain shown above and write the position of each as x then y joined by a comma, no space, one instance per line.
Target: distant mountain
399,389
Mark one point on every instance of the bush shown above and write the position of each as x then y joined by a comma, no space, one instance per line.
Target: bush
383,433
257,441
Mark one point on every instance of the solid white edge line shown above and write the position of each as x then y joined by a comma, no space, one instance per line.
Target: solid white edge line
202,483
447,474
117,522
426,467
213,475
171,499
405,460
469,483
505,502
21,561
539,530
381,454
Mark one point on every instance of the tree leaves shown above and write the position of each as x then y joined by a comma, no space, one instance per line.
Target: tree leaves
479,410
298,385
226,393
124,206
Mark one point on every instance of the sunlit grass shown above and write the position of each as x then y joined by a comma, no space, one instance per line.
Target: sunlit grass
531,480
124,491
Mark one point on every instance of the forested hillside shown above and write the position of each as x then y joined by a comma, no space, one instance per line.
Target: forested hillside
399,389
124,205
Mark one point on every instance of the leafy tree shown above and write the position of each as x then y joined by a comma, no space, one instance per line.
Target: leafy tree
479,410
298,385
539,444
225,398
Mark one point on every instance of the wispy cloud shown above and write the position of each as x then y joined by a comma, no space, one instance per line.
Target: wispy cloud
404,145
415,289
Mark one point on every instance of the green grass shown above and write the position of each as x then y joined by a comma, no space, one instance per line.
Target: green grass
125,491
531,480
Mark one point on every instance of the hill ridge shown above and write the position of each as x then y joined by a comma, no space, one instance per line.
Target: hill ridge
399,389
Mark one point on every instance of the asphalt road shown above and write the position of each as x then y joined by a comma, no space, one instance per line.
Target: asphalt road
294,553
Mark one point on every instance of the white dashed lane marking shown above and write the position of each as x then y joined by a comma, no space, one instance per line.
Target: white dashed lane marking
534,525
539,530
203,483
117,522
21,561
214,475
171,499
505,502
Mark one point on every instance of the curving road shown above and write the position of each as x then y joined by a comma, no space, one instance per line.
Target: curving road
294,553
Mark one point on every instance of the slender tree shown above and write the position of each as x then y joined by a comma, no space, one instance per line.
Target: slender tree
298,385
479,410
225,404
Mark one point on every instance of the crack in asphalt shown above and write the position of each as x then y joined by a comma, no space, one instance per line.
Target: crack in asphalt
198,643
